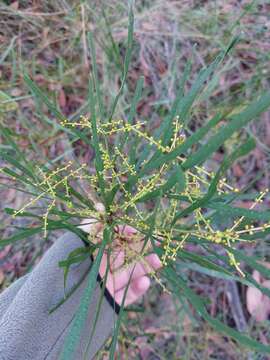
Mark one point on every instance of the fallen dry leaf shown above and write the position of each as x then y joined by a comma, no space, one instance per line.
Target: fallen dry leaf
5,251
237,170
62,99
258,304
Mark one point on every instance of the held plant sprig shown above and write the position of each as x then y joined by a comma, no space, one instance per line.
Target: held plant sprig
156,182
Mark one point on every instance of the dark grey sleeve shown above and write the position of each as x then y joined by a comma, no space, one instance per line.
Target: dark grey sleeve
28,331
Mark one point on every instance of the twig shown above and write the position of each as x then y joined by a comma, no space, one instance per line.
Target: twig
237,309
236,306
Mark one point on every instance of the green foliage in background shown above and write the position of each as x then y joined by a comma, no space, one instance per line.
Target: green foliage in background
159,183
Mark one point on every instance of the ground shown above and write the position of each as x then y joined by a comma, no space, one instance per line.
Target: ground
48,40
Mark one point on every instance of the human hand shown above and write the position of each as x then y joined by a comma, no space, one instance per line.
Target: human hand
135,274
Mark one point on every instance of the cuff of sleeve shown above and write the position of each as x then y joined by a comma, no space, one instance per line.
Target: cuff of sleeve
116,307
109,297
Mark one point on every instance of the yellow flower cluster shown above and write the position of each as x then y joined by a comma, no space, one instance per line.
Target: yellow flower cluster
171,247
117,169
51,182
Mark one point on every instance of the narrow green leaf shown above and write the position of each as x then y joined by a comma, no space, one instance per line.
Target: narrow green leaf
44,98
111,194
23,234
126,61
203,261
166,128
20,177
237,122
252,261
72,339
95,75
12,160
40,95
181,107
199,83
69,293
114,55
8,136
131,116
83,199
176,178
136,99
7,103
208,267
202,202
11,211
197,86
181,149
237,211
100,301
74,257
179,285
98,158
52,225
119,320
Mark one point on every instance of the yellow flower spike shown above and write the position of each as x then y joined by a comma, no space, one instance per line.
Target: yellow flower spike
195,187
51,186
45,216
234,263
130,168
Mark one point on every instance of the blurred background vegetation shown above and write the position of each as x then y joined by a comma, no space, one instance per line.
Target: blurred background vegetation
48,40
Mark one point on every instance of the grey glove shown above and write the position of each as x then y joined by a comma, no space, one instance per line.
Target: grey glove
28,331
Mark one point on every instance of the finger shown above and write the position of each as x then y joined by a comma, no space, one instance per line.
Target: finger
92,226
110,280
117,260
136,289
112,284
125,230
140,285
103,265
151,263
132,238
154,261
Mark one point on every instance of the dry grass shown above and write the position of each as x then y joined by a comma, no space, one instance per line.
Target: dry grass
48,39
